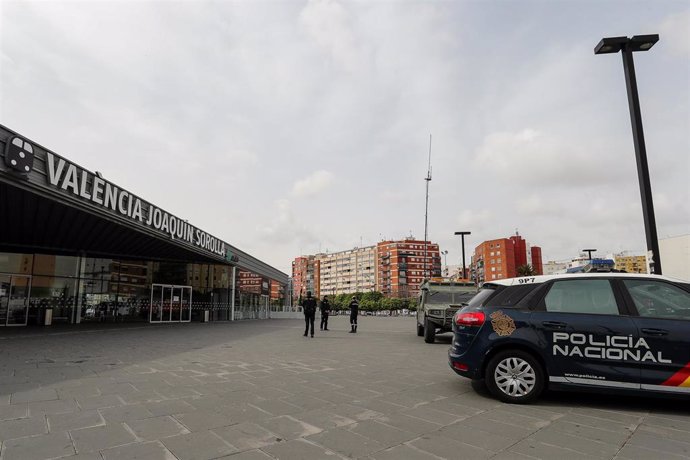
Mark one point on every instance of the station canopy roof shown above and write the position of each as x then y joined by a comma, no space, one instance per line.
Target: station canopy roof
50,205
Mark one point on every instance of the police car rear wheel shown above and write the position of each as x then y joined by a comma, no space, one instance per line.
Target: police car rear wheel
514,376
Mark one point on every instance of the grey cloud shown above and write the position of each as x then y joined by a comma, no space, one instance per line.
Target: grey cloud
227,104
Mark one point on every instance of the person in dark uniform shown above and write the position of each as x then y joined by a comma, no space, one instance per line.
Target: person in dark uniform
309,307
325,311
354,311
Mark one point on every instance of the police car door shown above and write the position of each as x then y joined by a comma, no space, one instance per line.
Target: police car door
585,334
664,325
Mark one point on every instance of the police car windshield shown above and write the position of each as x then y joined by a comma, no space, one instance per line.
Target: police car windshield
449,298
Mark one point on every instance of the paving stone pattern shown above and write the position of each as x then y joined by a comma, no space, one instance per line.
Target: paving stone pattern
259,390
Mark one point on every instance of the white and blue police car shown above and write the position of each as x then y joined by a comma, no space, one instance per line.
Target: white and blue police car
614,332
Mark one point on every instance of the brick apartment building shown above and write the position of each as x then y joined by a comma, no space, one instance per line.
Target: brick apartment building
401,266
500,258
394,268
305,275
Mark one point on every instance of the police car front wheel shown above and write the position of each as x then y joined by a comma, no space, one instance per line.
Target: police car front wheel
514,376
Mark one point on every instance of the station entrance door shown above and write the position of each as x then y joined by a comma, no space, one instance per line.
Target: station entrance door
15,291
170,304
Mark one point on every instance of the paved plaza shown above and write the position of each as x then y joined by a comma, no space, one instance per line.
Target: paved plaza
259,390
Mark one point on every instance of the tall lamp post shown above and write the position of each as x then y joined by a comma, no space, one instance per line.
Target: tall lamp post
627,46
462,236
445,260
589,253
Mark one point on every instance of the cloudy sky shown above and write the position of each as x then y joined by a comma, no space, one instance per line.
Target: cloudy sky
291,127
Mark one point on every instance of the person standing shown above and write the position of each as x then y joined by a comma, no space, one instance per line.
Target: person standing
354,311
309,307
325,311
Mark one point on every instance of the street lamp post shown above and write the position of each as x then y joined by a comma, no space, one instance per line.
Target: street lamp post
627,46
462,236
589,252
445,260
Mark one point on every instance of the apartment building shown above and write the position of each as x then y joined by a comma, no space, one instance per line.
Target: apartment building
629,263
553,267
675,256
395,268
346,272
402,265
305,274
500,258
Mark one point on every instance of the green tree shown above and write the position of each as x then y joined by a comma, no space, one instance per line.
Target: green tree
525,270
374,296
341,301
387,304
367,305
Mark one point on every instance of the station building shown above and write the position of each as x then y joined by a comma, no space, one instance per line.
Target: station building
77,248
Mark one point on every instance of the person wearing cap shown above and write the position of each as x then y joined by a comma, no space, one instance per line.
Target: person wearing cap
354,311
309,308
325,311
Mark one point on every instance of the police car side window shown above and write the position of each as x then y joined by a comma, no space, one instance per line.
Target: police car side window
660,300
510,296
581,296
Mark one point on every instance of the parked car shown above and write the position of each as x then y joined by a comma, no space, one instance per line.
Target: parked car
607,331
438,302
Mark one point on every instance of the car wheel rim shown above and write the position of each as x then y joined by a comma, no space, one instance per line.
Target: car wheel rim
515,377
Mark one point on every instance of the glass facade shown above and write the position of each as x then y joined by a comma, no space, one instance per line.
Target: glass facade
89,289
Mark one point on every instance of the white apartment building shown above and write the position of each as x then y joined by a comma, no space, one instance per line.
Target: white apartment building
346,272
553,267
675,257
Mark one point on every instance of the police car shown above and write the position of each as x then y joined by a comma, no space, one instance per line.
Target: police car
607,331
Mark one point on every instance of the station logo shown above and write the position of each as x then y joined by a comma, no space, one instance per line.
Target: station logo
19,156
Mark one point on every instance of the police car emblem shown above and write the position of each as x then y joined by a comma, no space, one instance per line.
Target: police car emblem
502,324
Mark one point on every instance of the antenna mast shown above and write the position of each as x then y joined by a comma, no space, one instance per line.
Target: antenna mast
426,213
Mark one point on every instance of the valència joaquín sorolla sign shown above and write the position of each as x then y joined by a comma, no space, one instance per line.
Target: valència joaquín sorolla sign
66,176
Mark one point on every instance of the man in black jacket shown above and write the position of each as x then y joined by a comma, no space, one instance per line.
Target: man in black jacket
354,311
325,311
309,307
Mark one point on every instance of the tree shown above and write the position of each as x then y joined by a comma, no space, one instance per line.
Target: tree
374,296
367,305
525,270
